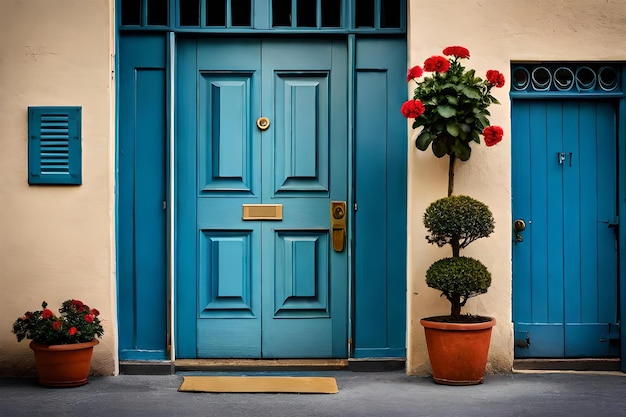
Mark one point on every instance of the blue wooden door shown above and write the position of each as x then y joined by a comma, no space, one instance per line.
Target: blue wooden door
270,285
565,260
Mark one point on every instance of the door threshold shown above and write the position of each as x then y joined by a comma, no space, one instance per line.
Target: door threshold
225,365
581,364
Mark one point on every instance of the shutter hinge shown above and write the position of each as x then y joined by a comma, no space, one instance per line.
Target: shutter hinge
612,334
522,339
164,205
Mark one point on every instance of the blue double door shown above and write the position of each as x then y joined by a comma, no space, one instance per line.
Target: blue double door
261,156
565,269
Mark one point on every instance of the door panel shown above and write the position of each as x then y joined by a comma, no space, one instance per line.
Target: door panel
270,288
304,169
564,187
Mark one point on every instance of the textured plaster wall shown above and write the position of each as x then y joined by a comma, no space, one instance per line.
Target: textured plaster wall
496,32
56,242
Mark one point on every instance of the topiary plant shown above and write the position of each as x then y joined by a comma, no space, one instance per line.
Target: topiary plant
458,279
458,221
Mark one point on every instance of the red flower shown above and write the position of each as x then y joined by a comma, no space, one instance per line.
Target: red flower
89,318
79,305
436,63
56,325
414,72
95,312
457,51
495,78
493,135
27,315
72,331
412,109
47,314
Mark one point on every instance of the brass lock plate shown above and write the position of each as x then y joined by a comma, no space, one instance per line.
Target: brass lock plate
338,224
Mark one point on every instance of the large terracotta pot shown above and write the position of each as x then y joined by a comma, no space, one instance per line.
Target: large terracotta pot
458,351
63,365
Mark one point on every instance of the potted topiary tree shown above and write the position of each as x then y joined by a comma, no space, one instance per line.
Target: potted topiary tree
450,107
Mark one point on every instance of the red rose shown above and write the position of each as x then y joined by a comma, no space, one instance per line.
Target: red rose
27,315
414,72
436,63
72,331
94,312
89,318
495,78
412,109
56,325
493,135
457,51
47,314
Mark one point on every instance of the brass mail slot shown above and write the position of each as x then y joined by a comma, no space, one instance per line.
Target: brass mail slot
262,211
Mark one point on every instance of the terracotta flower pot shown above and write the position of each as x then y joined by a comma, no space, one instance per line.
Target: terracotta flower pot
63,365
458,351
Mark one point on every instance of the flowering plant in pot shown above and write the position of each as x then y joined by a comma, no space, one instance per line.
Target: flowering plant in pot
450,107
63,343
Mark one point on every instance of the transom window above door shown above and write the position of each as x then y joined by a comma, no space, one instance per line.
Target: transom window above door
264,15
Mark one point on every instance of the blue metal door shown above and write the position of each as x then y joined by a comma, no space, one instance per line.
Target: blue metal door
257,275
565,259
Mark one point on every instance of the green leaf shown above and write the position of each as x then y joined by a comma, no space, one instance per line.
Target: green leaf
446,111
482,121
452,100
462,150
423,140
453,129
440,148
471,93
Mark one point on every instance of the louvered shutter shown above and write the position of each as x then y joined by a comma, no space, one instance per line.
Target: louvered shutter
54,145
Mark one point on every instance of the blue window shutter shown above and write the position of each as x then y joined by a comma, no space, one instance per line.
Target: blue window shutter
54,145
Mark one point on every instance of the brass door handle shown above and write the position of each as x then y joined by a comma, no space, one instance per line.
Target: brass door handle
518,226
338,224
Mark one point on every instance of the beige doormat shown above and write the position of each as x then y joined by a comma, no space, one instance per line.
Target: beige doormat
248,384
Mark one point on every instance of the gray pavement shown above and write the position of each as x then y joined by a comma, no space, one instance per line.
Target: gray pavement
360,394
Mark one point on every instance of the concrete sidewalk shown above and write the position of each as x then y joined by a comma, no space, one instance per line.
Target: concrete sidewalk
360,394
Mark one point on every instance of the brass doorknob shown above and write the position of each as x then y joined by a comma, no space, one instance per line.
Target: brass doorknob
263,123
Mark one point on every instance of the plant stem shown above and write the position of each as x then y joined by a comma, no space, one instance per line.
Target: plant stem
451,174
455,306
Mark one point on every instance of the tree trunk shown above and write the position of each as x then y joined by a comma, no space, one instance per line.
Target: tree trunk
451,174
455,302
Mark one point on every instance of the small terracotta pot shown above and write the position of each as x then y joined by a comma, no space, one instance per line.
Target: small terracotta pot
458,351
63,365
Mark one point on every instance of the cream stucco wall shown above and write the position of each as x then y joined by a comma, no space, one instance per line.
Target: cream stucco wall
57,242
497,32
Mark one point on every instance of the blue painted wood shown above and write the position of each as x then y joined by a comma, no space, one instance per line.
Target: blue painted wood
304,156
141,233
380,193
271,288
571,256
186,185
389,21
54,145
621,207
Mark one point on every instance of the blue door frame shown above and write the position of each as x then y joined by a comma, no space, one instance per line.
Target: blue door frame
377,168
620,99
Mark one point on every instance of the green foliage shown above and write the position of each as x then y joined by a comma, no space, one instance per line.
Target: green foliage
76,323
458,276
457,220
455,114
